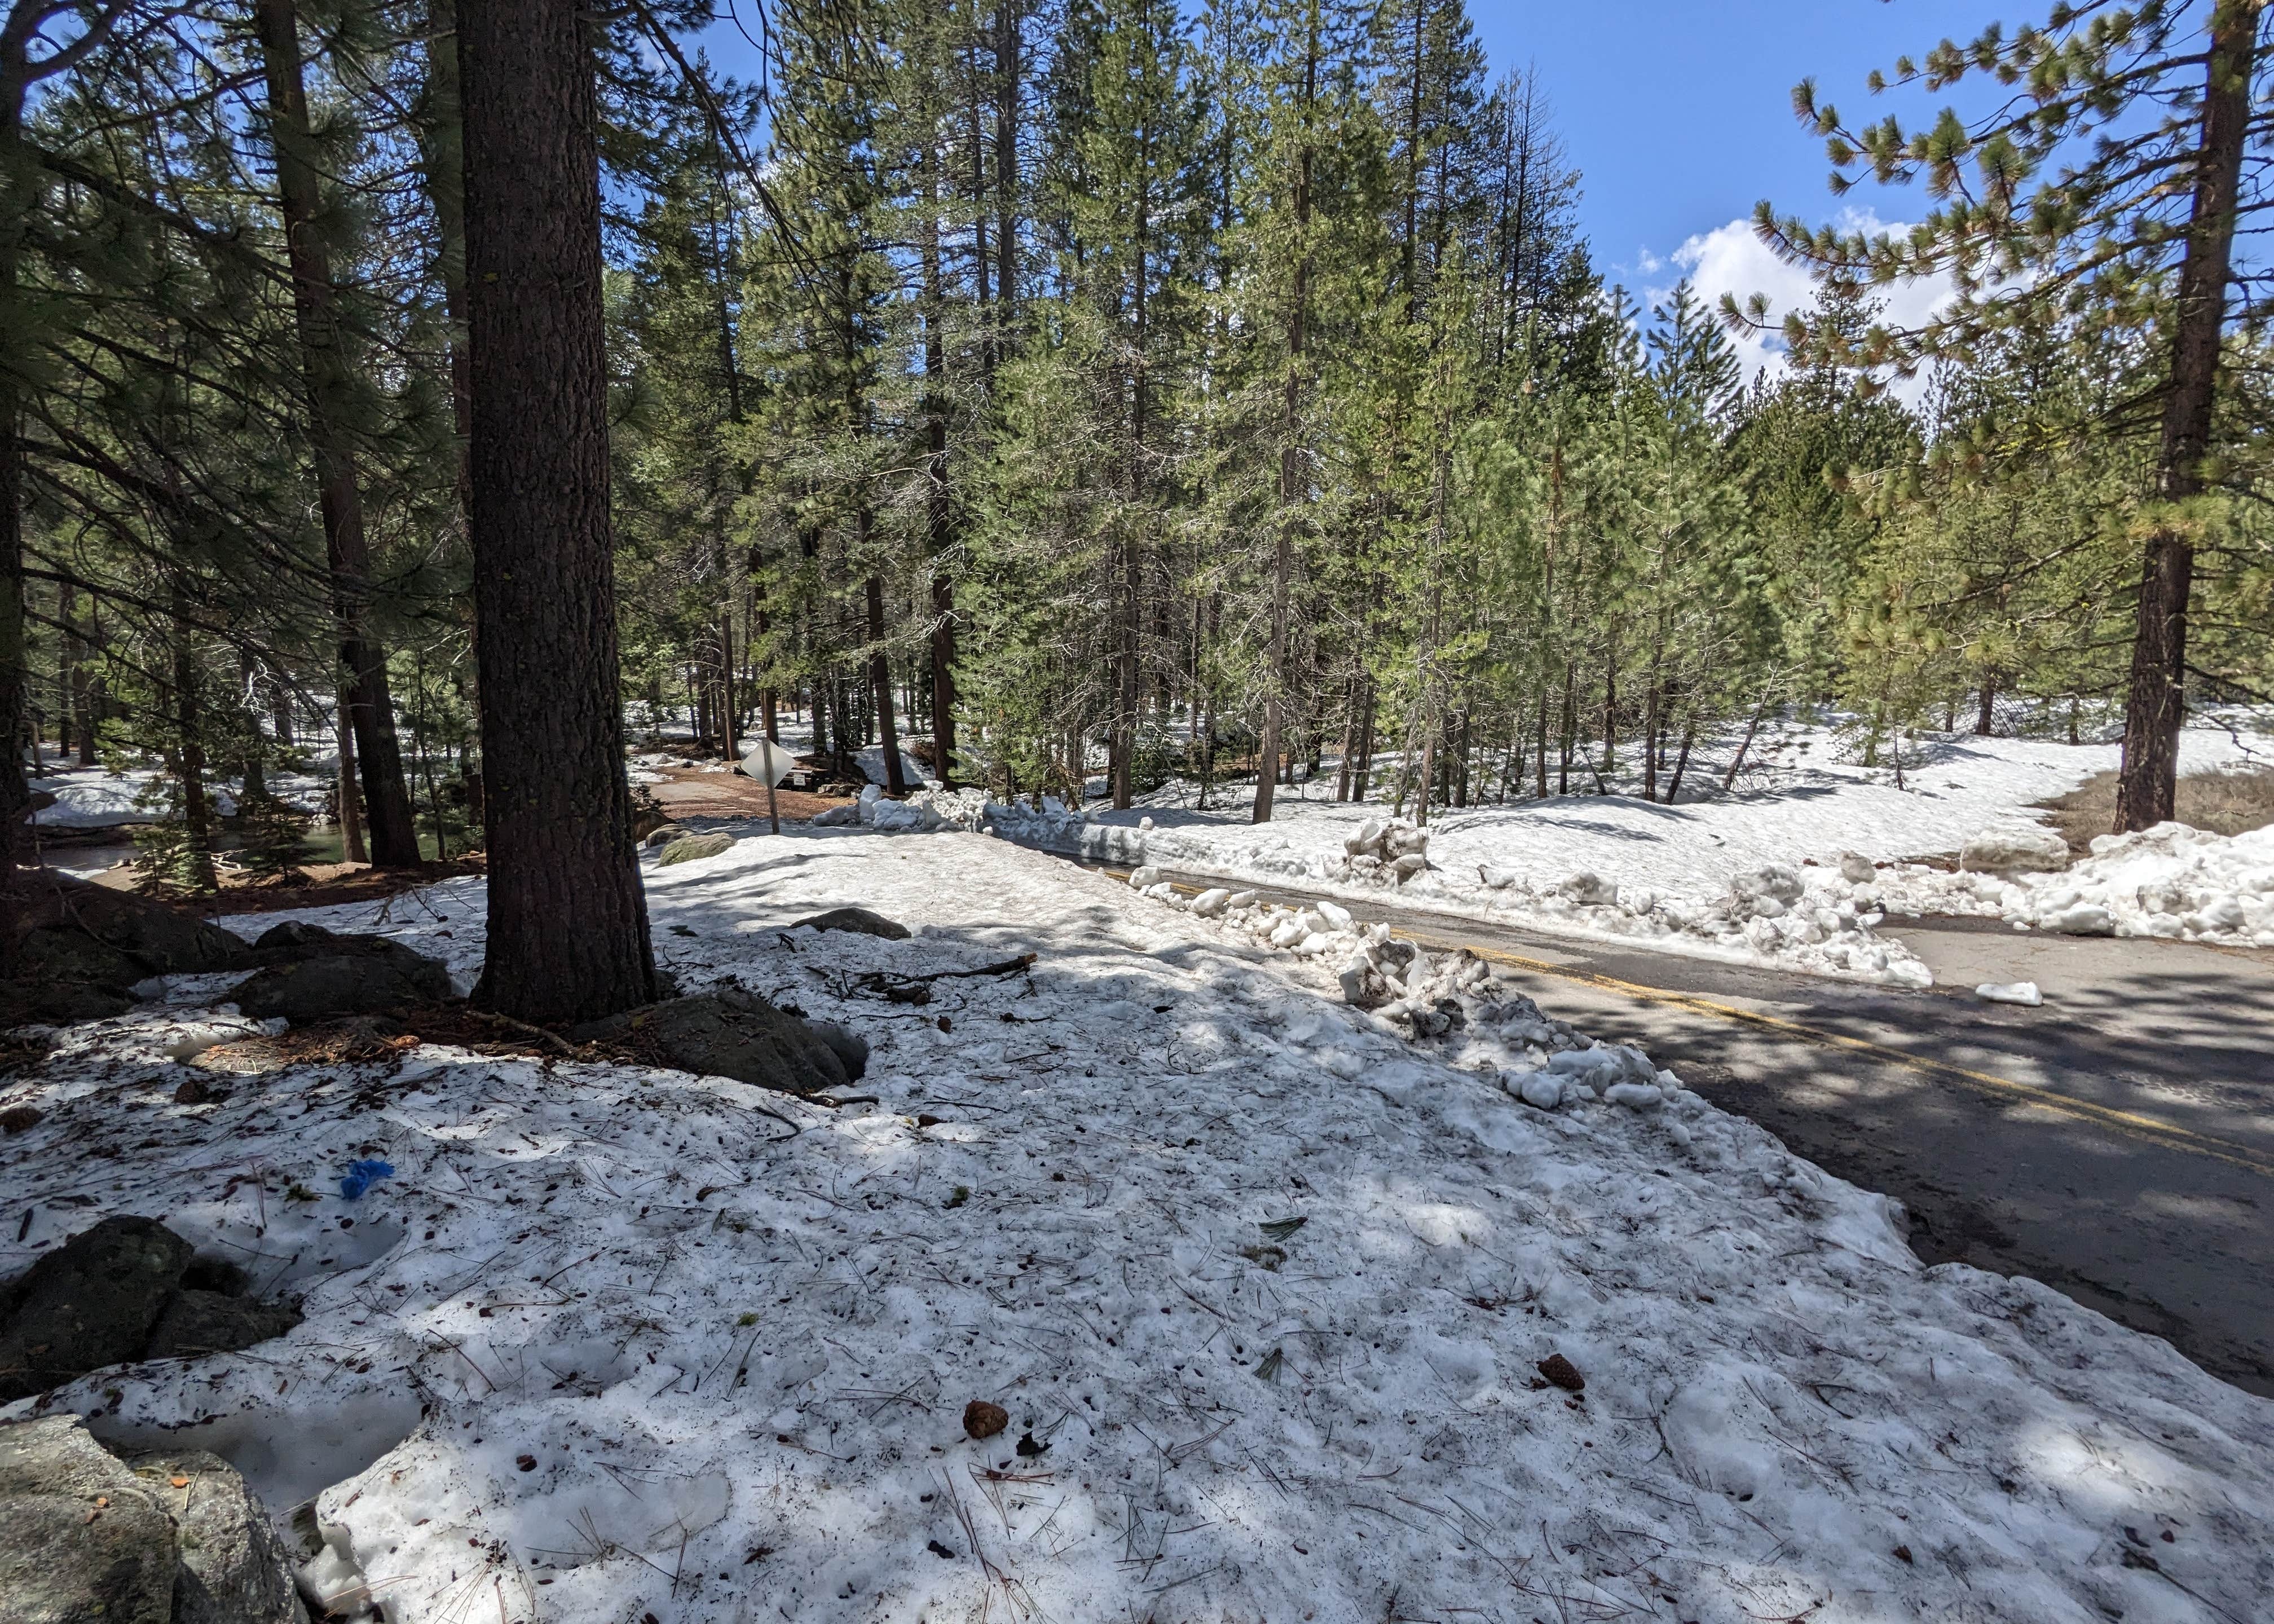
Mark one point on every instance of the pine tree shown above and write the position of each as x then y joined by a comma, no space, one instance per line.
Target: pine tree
2133,232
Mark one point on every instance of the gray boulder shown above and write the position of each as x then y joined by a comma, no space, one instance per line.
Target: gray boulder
313,974
694,848
65,1558
195,1323
850,1048
61,1002
158,939
128,1288
729,1032
233,1568
662,834
90,1303
857,919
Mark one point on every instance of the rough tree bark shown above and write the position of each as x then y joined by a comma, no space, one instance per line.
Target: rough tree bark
2148,781
393,829
567,921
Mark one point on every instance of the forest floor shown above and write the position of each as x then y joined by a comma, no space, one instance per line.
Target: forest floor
1287,1311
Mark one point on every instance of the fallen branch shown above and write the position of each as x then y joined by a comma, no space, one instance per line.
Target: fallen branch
551,1039
898,987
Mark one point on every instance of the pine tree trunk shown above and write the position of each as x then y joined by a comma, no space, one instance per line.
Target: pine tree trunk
2156,709
939,508
1681,758
567,924
255,785
1291,466
86,708
351,796
1009,91
880,684
1987,719
16,809
1650,736
325,369
187,697
1571,726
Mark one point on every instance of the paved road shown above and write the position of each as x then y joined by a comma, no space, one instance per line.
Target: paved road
2117,1143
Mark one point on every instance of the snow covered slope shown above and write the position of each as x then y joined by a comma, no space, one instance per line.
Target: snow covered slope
1264,1283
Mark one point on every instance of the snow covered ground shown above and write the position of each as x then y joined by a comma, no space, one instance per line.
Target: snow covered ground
97,798
1756,877
1264,1283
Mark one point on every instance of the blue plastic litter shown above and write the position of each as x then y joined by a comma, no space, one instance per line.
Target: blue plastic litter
361,1176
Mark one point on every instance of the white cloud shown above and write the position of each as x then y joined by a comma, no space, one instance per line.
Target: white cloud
1732,260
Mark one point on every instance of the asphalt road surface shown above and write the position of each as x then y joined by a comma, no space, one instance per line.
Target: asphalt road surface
2117,1143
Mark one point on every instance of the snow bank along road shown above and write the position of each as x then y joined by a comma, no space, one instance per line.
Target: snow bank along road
1293,1315
2117,1143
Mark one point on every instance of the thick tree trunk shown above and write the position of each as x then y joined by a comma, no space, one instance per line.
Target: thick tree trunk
2148,781
325,368
1987,719
568,923
880,685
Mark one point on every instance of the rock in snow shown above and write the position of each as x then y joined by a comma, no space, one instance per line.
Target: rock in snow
695,848
169,1538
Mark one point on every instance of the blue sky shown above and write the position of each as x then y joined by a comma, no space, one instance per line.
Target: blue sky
1679,115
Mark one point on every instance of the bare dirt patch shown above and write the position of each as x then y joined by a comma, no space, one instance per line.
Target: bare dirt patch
2226,803
695,791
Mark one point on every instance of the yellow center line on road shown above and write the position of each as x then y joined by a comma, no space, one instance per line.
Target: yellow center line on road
2132,1123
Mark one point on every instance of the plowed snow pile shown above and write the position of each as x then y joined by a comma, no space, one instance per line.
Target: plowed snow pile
2171,881
1767,875
1288,1301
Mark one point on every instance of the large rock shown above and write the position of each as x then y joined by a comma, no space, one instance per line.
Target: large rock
60,1002
154,938
90,1303
857,919
127,1289
82,1539
233,1567
313,974
195,1323
694,848
2016,849
67,954
729,1032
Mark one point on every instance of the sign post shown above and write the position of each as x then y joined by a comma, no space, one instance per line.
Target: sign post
766,763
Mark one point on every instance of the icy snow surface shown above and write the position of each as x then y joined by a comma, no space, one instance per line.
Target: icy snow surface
1263,1280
